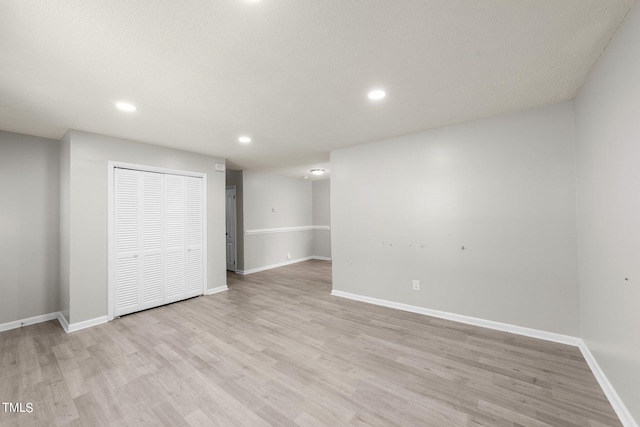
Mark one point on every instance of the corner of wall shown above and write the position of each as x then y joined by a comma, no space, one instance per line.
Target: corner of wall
577,222
65,223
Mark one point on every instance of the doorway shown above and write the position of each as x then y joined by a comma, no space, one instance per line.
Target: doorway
230,209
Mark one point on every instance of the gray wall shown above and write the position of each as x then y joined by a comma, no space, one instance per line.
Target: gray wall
29,226
321,215
504,188
608,163
292,199
87,211
65,188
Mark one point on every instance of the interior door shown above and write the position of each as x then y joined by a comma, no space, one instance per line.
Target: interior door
231,228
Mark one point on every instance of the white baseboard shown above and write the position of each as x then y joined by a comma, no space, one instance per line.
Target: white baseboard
216,290
63,322
286,229
53,316
73,327
269,267
617,404
281,264
505,327
28,321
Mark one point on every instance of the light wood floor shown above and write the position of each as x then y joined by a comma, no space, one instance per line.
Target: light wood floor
277,349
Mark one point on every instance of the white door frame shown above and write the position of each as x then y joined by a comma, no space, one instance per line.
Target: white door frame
234,226
111,255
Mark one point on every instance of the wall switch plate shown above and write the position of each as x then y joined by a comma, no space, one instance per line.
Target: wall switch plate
416,285
288,255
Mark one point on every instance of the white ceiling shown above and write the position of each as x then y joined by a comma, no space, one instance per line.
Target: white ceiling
293,74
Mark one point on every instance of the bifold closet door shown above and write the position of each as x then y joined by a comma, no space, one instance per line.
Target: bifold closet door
158,239
176,237
194,237
127,241
152,262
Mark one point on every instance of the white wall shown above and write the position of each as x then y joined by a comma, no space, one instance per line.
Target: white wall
292,200
29,226
504,188
87,211
321,215
608,165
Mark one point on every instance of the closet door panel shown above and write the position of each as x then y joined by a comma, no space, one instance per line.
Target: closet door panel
194,236
152,239
175,235
127,241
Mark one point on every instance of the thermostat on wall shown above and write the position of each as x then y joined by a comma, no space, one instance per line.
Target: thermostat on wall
220,167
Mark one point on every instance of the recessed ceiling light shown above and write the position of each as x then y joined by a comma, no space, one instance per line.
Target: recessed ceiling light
305,177
244,139
125,106
376,94
318,172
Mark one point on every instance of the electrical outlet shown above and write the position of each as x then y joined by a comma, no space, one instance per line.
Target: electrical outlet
416,285
288,255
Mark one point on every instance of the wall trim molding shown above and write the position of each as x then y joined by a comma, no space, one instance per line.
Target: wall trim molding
499,326
73,327
217,290
285,229
28,321
269,267
63,322
281,264
618,405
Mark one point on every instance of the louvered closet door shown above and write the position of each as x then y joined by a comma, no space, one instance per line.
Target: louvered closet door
195,268
158,239
152,259
175,216
127,241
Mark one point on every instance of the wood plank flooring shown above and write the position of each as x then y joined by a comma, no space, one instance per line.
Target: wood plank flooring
277,349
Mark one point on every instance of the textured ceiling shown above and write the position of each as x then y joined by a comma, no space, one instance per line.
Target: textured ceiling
293,74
